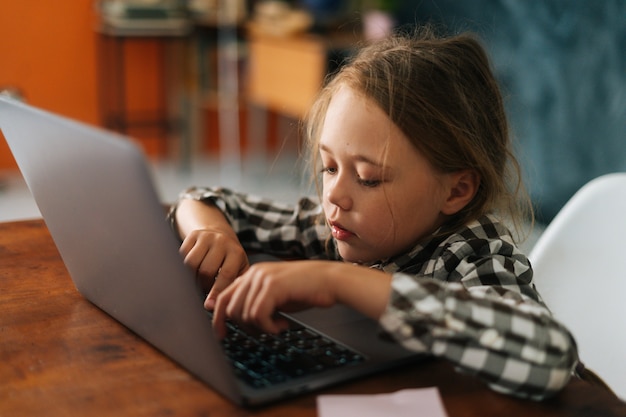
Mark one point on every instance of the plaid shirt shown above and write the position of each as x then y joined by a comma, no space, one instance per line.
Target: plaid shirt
466,296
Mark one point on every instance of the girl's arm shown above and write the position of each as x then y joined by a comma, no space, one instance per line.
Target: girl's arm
291,286
513,344
210,246
470,298
195,215
263,225
510,341
217,226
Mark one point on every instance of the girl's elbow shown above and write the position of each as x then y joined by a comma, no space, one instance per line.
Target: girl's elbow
540,382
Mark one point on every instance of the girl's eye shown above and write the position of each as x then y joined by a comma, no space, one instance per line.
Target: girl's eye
369,183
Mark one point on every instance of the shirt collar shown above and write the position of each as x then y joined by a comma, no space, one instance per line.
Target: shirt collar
422,249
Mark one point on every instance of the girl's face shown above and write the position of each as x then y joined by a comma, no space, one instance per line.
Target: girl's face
380,195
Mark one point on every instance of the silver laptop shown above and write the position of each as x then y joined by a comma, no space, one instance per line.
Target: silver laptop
95,193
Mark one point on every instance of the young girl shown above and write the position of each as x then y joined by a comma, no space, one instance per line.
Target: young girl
417,183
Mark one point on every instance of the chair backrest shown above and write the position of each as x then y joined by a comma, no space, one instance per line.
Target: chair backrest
580,271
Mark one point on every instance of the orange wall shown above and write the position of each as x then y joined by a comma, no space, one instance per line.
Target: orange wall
48,51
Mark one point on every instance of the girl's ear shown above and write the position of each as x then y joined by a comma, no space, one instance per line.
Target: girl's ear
462,187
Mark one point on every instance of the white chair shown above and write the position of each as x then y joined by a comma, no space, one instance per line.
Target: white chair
580,271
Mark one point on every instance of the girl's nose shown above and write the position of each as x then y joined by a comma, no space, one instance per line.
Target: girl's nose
337,192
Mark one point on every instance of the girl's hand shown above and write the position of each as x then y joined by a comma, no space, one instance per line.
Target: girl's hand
216,256
266,288
210,246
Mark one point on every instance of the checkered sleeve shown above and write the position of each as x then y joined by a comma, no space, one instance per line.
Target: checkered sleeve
474,304
288,231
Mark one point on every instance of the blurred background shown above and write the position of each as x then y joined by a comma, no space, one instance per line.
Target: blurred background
213,90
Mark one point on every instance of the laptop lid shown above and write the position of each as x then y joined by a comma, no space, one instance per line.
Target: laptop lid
97,198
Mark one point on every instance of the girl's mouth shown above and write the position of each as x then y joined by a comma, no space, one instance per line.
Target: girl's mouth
339,232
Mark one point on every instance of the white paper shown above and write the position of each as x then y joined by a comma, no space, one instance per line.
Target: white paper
421,402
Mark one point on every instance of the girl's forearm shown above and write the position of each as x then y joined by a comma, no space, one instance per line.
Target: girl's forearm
196,215
364,289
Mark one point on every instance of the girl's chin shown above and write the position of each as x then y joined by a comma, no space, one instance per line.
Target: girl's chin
354,256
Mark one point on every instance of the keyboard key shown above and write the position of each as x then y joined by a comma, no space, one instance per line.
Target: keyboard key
262,359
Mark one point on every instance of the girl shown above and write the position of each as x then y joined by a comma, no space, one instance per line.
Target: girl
417,180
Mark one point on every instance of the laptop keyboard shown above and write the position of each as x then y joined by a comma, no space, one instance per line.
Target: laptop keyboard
263,359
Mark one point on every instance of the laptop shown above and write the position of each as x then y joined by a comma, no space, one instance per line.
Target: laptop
95,193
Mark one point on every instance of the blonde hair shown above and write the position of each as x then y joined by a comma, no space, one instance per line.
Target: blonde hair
441,92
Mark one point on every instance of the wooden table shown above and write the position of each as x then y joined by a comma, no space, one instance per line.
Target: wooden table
60,355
